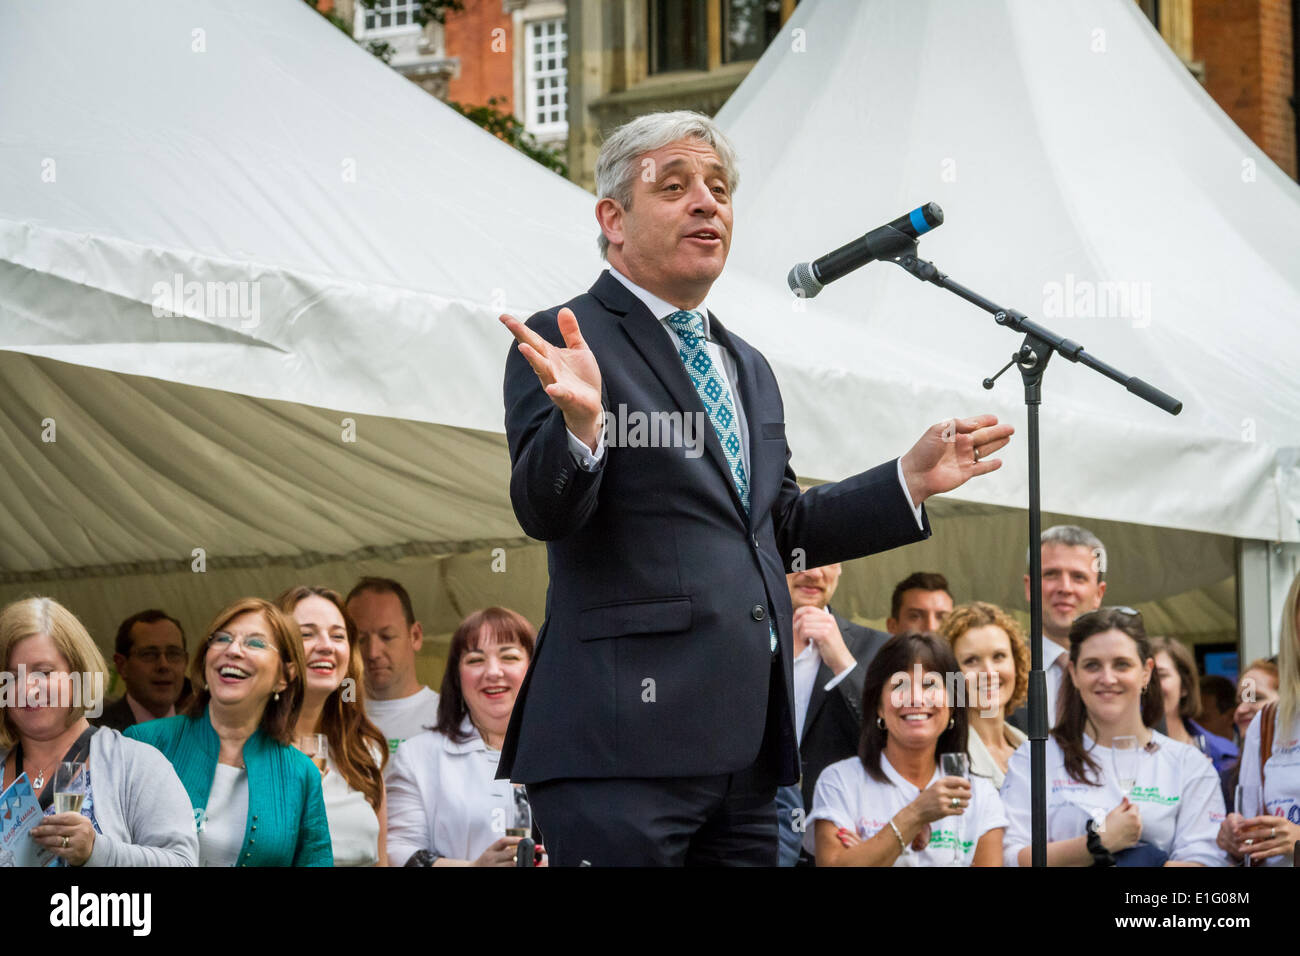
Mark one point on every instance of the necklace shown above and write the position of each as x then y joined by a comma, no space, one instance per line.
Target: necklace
39,783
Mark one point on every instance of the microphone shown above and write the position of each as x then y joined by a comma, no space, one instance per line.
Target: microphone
809,278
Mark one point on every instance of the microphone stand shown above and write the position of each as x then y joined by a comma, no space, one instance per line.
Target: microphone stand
1036,349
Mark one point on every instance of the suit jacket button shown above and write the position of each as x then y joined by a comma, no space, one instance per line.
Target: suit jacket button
758,613
755,540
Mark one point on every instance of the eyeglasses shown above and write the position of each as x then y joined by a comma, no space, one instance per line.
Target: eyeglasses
150,655
1131,613
221,640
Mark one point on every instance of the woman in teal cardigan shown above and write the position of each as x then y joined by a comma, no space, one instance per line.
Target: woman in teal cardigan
257,800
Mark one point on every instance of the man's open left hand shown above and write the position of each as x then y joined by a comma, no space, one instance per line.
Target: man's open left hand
952,452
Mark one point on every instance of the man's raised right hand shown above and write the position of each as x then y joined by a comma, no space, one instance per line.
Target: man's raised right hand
569,375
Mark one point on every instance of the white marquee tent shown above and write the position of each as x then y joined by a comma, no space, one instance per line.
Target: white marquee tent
328,403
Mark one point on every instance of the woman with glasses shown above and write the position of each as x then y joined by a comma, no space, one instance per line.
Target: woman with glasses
334,706
133,811
1119,793
256,799
1267,826
896,803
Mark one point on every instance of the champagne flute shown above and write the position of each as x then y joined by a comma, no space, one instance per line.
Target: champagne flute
522,820
1124,753
315,746
955,765
1249,803
69,786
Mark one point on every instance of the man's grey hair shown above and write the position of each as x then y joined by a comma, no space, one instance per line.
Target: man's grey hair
1072,536
619,164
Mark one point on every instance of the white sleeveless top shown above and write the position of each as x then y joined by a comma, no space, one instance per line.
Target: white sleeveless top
354,825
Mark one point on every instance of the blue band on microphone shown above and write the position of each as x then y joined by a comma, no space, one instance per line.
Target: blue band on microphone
918,221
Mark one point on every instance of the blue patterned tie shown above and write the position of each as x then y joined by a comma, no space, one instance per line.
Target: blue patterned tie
716,397
713,392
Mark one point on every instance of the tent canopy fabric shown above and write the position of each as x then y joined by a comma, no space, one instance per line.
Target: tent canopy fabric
1088,180
342,244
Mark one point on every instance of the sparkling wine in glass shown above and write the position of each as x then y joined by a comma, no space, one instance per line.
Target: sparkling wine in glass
1249,802
69,786
955,765
522,820
315,746
1124,751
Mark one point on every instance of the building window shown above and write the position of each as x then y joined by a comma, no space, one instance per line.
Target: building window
679,36
389,16
748,26
546,78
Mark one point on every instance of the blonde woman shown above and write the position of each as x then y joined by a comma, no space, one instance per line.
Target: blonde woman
1270,761
991,652
135,812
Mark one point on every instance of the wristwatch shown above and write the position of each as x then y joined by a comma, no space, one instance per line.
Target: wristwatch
1100,855
423,858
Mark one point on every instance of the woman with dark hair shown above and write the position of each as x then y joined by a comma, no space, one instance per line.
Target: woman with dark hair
445,805
891,805
256,799
1167,813
1180,685
334,704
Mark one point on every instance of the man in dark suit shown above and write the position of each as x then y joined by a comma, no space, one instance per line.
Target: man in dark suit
657,717
831,656
149,653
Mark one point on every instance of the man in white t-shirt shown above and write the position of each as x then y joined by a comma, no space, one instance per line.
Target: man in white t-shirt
1074,568
390,636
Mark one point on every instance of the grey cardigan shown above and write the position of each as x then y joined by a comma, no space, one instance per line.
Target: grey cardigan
141,806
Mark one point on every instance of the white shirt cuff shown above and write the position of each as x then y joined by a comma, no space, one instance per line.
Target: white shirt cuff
830,684
907,496
587,459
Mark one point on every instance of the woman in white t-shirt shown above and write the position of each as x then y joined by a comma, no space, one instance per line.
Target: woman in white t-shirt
1269,835
1172,811
334,705
890,805
445,805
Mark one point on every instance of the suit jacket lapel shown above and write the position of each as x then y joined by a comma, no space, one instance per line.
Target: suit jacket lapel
818,698
656,347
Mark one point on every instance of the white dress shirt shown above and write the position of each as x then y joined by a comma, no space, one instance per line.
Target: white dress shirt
723,361
1055,657
444,797
806,665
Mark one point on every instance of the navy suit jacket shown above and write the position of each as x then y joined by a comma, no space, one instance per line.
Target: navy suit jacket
654,659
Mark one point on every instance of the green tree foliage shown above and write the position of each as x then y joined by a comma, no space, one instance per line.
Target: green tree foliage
505,126
501,124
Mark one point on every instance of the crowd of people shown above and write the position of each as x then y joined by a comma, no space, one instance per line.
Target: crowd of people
296,732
